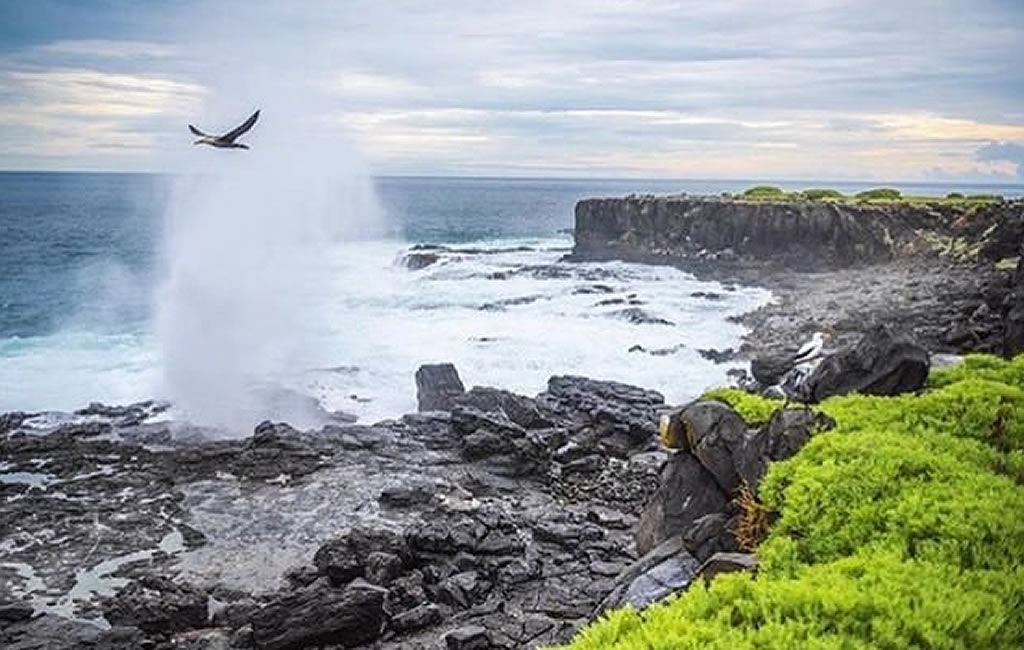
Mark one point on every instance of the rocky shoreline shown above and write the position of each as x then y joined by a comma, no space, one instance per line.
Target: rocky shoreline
487,520
952,274
505,514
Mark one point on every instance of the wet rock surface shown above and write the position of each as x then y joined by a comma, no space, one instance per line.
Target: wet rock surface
509,514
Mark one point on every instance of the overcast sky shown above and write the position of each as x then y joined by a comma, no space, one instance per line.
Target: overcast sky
790,89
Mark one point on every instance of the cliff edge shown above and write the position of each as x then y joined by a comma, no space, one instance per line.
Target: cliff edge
794,234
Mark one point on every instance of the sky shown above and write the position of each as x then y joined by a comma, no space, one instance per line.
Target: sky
788,89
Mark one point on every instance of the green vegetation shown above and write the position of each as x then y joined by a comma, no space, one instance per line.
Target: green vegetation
903,527
884,193
821,194
877,195
764,191
755,410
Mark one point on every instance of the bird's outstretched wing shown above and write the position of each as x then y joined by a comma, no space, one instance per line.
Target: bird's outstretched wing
196,131
241,128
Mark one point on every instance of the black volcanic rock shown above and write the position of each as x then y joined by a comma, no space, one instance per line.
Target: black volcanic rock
437,385
320,615
884,362
155,604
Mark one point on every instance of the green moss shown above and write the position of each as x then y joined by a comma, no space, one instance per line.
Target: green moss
903,527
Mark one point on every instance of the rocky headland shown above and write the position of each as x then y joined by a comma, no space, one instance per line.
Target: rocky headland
950,271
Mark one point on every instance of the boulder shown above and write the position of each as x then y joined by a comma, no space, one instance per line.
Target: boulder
320,615
417,618
711,534
469,637
787,431
768,369
417,261
883,362
665,570
687,492
157,605
437,385
359,551
727,563
713,432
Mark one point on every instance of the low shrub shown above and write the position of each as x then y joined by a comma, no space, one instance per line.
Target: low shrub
903,527
879,193
764,191
818,194
754,409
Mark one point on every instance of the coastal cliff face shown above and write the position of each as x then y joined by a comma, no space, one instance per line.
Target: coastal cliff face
804,235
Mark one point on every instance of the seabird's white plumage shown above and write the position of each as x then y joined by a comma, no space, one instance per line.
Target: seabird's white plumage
811,349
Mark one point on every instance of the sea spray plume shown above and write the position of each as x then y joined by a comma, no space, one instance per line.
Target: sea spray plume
247,267
247,256
250,242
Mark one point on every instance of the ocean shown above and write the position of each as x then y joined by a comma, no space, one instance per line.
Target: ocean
83,257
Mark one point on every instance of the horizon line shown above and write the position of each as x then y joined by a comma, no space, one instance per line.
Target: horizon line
661,179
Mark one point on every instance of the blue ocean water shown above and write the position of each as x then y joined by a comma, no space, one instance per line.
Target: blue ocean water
80,269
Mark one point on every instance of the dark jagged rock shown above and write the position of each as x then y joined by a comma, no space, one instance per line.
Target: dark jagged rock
786,432
711,534
727,563
350,556
437,386
664,570
687,492
470,637
882,363
1013,323
417,618
14,612
276,449
713,432
519,409
768,369
320,615
638,316
419,260
155,604
11,421
805,235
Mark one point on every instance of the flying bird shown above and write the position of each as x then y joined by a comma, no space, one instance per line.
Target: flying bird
226,141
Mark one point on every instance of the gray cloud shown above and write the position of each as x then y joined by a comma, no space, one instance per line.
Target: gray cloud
737,87
1004,151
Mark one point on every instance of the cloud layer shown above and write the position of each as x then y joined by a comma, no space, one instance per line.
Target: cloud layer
790,89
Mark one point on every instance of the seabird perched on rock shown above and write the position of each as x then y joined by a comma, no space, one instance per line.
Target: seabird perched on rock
811,349
226,141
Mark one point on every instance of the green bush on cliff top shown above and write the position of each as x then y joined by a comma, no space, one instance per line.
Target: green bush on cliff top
764,191
903,527
883,193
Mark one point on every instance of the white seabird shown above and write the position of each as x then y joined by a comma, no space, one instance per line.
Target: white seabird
811,349
227,140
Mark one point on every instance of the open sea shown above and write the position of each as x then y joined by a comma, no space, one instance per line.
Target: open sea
85,261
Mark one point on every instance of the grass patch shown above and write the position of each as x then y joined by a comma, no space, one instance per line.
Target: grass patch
903,527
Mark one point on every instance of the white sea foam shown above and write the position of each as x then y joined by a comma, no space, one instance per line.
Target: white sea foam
372,322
